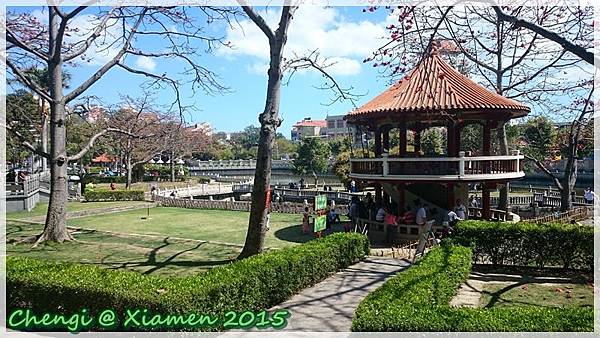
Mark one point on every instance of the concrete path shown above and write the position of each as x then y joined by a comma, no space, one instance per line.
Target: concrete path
330,305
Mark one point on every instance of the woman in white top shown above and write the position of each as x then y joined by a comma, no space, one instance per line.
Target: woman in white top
460,210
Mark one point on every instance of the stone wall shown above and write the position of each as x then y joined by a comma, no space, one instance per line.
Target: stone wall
285,207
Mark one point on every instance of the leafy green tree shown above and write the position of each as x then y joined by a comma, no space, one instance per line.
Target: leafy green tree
432,141
339,145
313,157
22,119
341,167
539,136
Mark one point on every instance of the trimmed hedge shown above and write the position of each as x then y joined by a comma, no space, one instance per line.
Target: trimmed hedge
114,195
255,283
527,244
418,300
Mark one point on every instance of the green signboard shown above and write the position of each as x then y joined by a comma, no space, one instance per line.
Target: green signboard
320,223
320,212
320,202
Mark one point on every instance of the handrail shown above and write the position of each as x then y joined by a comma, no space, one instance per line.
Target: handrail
508,166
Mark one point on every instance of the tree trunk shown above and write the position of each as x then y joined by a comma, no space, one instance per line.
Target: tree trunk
44,136
129,171
568,180
172,167
269,121
55,228
503,148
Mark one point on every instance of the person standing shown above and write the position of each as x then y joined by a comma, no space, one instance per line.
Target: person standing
588,196
353,213
460,209
391,225
305,221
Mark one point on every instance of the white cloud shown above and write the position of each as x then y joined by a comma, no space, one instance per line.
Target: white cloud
344,66
146,63
258,68
313,28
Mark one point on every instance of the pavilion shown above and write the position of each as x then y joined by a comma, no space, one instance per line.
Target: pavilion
434,94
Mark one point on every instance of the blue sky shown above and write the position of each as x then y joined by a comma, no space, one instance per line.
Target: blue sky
344,34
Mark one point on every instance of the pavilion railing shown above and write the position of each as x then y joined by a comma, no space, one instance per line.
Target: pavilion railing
455,167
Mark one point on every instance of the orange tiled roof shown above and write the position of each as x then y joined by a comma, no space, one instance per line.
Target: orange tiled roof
311,123
102,159
435,86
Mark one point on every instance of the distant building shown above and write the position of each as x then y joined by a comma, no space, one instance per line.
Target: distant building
203,127
337,127
308,128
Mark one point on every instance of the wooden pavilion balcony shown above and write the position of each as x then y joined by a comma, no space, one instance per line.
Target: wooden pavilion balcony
462,168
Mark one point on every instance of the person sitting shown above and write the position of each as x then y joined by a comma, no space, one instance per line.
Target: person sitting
408,217
421,216
113,187
453,218
473,202
332,218
379,217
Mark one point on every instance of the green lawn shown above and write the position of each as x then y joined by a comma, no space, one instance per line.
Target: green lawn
41,208
209,225
548,295
157,256
162,253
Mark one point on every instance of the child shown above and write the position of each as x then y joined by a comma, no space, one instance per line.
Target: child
305,224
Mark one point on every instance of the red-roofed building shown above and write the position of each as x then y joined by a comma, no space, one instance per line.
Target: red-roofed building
308,128
435,95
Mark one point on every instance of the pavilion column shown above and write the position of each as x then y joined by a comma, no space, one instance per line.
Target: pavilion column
457,130
377,143
487,138
451,139
378,197
450,195
485,196
386,139
402,139
401,198
417,140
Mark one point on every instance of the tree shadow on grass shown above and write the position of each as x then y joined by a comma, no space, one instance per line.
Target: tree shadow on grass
293,234
154,264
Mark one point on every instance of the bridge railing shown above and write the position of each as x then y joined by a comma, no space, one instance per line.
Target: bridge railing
30,185
495,215
309,194
576,214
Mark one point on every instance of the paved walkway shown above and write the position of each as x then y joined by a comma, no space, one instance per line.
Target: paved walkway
330,305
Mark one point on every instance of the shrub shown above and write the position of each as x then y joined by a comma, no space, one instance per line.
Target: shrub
418,300
114,195
255,283
104,179
551,244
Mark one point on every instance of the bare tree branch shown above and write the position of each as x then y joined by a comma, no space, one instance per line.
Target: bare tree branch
27,81
566,44
258,20
93,139
114,61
